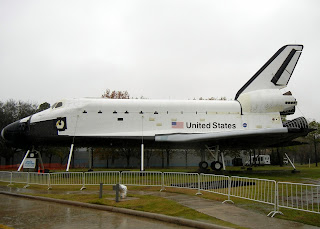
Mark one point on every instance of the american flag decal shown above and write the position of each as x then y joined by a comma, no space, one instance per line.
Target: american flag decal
178,125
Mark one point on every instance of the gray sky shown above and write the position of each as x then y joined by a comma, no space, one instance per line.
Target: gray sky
164,49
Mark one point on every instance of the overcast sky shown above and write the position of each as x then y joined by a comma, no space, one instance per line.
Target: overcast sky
164,49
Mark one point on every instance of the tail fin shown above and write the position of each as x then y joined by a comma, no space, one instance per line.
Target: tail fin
276,72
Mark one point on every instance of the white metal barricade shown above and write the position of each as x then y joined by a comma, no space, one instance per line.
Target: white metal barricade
105,177
215,183
5,176
67,178
182,180
19,177
260,190
141,178
38,178
297,196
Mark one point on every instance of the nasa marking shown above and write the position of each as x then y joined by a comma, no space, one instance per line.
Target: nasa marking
213,125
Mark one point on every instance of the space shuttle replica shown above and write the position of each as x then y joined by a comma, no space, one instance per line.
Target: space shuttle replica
251,120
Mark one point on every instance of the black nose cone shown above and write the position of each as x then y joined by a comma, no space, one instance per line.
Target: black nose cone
2,134
14,133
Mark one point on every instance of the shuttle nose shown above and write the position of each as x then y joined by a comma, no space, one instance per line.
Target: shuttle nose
14,132
2,134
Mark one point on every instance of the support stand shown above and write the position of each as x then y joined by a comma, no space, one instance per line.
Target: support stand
273,213
70,156
142,146
41,162
142,157
71,148
25,156
223,164
294,168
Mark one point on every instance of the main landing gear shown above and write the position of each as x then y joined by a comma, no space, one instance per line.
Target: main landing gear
215,165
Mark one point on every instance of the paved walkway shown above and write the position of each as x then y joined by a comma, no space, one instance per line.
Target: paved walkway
234,214
226,212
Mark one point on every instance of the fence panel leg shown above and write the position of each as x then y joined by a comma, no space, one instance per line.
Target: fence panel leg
49,182
199,183
276,203
83,181
162,182
229,192
10,180
27,185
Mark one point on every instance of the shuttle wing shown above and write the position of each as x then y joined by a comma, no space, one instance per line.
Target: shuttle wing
239,139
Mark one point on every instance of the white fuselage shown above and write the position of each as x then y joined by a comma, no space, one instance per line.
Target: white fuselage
134,117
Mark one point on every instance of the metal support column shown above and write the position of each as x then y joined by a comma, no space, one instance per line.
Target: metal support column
25,157
41,162
70,156
142,157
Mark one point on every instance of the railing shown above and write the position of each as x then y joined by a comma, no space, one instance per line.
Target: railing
297,196
141,178
107,178
260,190
303,197
5,176
181,180
18,177
215,183
66,178
41,178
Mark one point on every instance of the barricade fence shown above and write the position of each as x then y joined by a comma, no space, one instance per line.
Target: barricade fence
303,197
5,176
105,177
42,178
141,178
215,183
181,180
260,190
297,196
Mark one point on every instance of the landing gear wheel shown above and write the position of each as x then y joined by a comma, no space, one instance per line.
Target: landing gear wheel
216,165
203,165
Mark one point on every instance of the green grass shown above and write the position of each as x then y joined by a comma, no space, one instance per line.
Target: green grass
5,227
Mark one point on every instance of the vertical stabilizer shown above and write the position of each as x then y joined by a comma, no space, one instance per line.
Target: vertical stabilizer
276,72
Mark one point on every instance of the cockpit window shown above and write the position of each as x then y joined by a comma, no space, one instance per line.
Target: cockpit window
56,105
59,104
